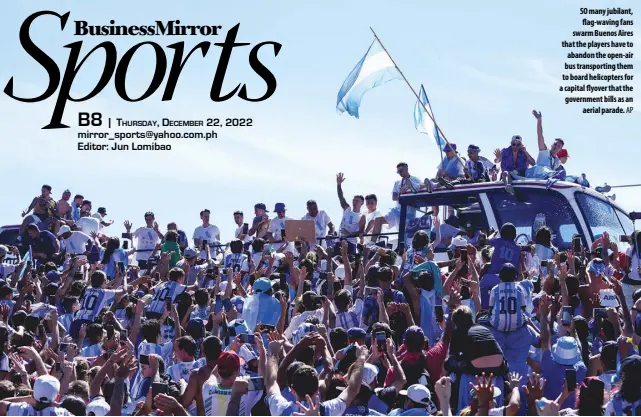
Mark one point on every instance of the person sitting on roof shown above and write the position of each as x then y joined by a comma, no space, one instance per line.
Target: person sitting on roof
477,170
514,161
451,170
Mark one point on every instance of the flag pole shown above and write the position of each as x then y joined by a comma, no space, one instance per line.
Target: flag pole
417,98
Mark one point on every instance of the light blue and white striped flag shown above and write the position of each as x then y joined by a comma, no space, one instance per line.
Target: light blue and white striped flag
27,257
374,69
422,121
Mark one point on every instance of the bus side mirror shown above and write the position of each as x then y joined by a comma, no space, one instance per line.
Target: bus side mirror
635,215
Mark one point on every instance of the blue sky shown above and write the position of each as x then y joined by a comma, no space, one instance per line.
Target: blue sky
485,66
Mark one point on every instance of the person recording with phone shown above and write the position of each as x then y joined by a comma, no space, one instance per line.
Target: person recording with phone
114,258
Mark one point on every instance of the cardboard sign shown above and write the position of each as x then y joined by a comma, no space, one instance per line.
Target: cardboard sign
295,229
608,298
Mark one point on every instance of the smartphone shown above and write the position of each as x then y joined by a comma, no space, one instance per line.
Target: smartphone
125,244
282,234
110,331
600,312
124,334
566,316
227,305
64,347
570,378
359,248
282,281
218,305
157,388
125,235
57,367
121,267
245,228
544,263
576,244
256,383
381,340
247,338
371,291
440,315
464,256
52,300
205,244
144,359
168,303
624,238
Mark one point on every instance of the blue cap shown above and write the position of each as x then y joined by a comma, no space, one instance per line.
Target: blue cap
450,147
53,276
260,206
196,323
279,207
356,333
262,285
414,335
140,294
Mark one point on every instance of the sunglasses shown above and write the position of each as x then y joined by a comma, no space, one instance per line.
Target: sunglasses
517,144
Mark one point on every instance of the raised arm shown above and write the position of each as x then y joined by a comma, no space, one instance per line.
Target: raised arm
539,130
339,189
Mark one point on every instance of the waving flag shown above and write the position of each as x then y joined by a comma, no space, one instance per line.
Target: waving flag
423,122
261,308
374,69
27,257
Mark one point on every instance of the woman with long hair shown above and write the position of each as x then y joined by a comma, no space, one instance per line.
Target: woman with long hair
112,254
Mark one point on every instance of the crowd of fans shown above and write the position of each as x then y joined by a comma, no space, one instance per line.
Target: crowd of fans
153,323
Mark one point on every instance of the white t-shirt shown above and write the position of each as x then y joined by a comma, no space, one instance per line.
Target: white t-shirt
100,219
26,409
411,183
277,224
239,231
545,159
209,234
145,241
320,221
76,243
88,225
350,224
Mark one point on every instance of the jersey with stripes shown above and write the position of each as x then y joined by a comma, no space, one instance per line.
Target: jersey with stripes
507,300
93,301
169,289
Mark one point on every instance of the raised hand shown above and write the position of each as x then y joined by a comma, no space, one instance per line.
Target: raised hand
340,178
537,114
127,225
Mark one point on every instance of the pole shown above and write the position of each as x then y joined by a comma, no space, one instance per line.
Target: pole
418,98
625,186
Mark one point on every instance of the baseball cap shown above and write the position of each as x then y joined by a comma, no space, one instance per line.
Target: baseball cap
53,276
64,229
195,324
414,335
596,266
45,389
418,393
458,242
263,285
102,210
261,206
279,207
229,362
356,333
98,407
450,147
190,253
473,148
517,138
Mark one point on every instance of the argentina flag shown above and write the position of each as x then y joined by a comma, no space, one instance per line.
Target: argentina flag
374,69
423,122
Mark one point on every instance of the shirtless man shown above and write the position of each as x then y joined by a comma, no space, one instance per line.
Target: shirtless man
45,212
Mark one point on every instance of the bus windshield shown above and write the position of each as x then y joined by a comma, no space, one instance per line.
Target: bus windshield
530,206
603,217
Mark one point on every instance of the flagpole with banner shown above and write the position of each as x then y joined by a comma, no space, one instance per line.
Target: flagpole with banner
438,129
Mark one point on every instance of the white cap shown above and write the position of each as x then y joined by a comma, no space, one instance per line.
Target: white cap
190,253
340,272
98,407
418,393
46,389
64,229
458,242
370,372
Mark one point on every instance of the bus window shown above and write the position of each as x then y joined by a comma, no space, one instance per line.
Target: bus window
522,210
600,217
